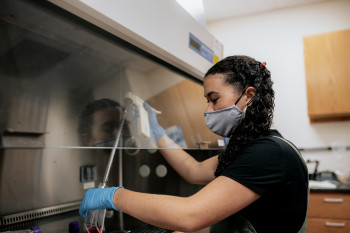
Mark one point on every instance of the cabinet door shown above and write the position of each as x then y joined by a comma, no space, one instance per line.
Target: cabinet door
320,225
328,75
329,205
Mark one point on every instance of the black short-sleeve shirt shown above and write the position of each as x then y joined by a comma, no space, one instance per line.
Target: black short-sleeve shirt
272,169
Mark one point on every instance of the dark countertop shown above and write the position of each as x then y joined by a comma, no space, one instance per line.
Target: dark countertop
338,189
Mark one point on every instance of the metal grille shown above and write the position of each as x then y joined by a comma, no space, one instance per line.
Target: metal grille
38,213
150,229
146,229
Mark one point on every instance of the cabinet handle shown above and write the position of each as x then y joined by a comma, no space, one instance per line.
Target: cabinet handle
336,200
335,224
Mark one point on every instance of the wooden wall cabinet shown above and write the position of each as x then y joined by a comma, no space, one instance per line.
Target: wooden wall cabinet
328,213
185,105
327,71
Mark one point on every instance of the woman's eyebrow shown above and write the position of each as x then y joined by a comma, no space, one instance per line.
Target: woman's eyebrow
211,93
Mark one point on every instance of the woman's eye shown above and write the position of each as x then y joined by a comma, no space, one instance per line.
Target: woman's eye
213,100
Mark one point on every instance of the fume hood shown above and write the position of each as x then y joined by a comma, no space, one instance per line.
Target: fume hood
62,61
161,28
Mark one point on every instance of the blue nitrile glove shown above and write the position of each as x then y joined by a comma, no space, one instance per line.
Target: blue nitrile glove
157,131
98,199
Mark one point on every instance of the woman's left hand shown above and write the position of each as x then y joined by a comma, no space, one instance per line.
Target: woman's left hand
100,198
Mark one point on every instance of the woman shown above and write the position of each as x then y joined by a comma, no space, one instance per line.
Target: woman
258,184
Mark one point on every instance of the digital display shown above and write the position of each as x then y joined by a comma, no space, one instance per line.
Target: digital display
199,47
195,45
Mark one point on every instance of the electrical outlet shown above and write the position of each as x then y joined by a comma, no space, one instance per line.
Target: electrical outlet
88,173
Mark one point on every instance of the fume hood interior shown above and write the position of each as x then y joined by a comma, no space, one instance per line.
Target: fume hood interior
53,65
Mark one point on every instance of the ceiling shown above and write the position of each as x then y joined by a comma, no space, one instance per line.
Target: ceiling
222,9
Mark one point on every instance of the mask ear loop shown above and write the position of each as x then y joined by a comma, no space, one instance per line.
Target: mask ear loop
246,106
241,96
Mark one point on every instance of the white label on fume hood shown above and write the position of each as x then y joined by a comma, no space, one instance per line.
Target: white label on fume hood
196,45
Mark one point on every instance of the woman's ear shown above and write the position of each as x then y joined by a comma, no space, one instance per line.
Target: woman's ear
250,92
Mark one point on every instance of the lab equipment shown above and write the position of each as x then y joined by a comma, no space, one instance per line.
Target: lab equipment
138,114
73,227
157,130
94,220
112,154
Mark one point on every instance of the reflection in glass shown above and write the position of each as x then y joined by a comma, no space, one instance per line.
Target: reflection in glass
63,85
99,123
51,71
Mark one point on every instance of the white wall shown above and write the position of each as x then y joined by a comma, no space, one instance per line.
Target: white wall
276,37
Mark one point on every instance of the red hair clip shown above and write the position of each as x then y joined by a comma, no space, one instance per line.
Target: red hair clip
262,65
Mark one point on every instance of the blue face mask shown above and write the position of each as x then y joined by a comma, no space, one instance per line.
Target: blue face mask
223,122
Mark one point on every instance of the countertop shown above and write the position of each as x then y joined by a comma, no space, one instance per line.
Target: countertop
339,189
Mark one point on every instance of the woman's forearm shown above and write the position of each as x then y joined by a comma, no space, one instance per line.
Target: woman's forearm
164,211
214,202
184,164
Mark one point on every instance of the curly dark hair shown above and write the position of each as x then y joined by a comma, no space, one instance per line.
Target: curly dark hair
243,72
